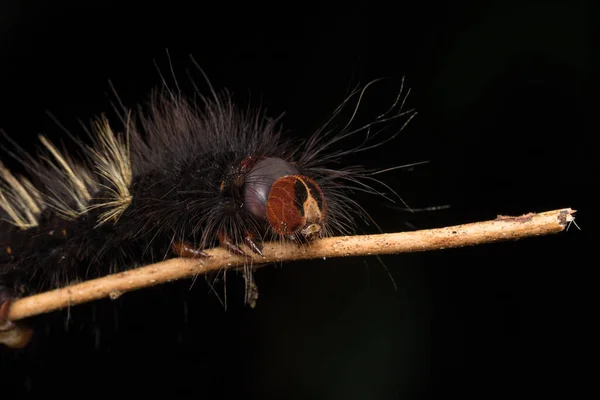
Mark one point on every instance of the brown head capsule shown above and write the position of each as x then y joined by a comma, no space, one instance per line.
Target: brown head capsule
296,208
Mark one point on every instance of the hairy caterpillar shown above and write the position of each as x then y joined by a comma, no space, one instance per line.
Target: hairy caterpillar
178,176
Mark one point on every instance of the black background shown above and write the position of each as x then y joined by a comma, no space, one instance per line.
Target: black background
503,94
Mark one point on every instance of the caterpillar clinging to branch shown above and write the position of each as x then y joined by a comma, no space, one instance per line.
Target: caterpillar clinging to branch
172,179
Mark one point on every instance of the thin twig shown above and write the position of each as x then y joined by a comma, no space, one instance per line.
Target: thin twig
501,229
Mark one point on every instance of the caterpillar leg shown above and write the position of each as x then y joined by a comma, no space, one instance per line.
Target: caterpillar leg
249,240
254,244
12,334
187,250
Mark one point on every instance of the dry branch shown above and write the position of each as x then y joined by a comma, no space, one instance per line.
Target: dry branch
501,229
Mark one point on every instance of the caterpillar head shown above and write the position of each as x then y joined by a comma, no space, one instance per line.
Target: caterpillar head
293,205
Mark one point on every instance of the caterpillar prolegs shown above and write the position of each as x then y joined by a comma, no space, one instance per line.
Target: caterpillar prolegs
178,175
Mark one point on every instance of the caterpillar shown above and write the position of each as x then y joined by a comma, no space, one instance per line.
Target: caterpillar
172,177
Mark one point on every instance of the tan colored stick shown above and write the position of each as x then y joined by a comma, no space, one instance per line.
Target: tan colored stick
501,229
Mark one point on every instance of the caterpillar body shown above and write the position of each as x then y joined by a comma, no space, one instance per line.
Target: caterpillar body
179,176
